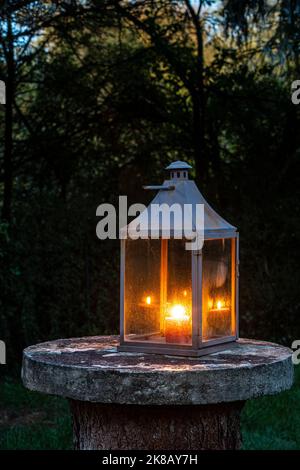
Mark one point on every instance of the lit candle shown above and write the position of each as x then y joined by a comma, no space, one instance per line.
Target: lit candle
147,302
218,318
177,325
217,306
146,318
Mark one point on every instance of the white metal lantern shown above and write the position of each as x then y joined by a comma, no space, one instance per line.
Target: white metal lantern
176,301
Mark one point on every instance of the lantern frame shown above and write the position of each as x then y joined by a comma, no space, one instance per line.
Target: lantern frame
199,346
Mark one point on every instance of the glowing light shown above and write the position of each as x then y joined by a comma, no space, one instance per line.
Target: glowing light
218,305
185,293
148,300
178,312
178,325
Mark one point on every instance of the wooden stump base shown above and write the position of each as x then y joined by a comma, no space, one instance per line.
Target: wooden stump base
126,427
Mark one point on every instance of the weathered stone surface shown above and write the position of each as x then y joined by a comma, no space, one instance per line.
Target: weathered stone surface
90,369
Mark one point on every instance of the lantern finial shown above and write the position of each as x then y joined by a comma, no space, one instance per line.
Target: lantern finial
179,170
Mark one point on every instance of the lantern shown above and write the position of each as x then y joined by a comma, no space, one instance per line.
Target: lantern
176,300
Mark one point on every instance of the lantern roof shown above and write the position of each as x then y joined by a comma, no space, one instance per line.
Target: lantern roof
178,166
180,190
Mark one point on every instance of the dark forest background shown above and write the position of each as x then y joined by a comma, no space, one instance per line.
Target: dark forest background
100,97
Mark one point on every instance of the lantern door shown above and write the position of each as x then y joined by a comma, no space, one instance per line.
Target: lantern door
219,306
157,293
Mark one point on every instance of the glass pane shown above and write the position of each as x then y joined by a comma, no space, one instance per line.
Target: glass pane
218,302
158,292
142,289
178,305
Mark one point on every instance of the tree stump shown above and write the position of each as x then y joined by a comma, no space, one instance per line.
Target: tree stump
154,402
97,426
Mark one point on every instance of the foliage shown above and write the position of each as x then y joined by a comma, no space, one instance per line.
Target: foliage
104,95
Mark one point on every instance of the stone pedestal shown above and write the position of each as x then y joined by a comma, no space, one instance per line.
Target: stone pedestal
154,402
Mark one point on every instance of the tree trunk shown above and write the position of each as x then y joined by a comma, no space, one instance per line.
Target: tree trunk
198,97
198,138
8,137
194,82
127,427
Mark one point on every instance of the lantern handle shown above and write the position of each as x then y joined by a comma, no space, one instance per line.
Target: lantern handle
161,187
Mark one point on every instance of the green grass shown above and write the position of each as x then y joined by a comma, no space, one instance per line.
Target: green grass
273,422
30,420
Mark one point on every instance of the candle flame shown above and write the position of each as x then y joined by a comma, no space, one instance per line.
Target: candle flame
185,293
178,312
148,300
217,305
